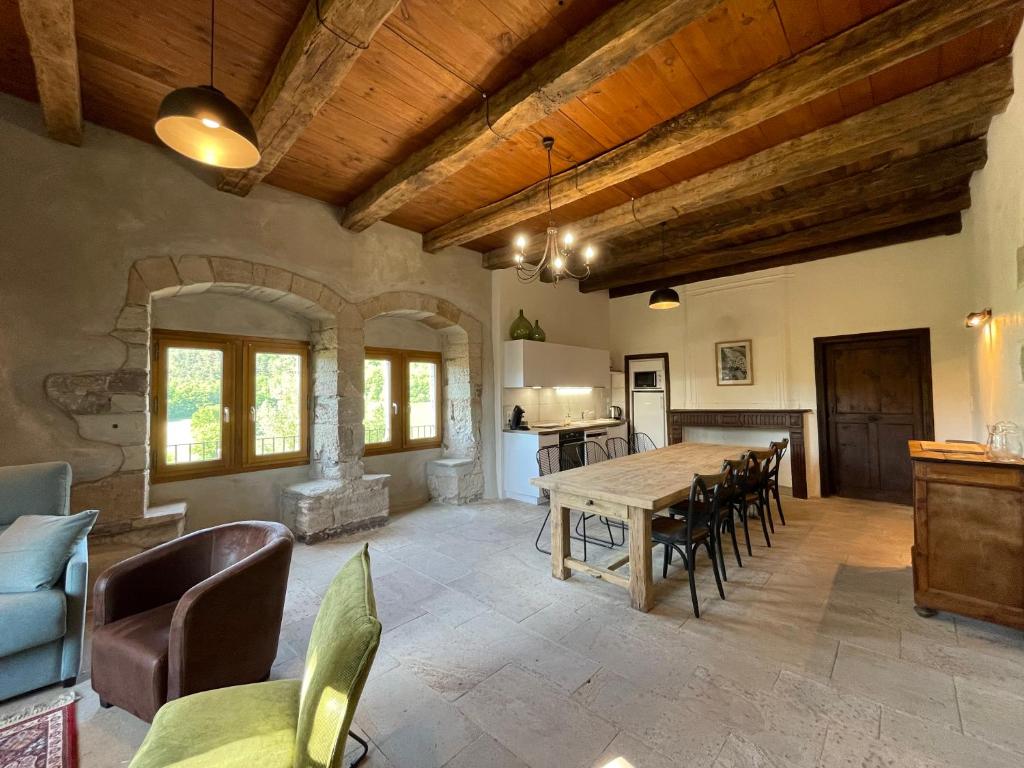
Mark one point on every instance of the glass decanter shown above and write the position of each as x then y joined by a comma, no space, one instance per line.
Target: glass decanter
1005,442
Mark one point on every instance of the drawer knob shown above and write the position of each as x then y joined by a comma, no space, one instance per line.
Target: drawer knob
590,502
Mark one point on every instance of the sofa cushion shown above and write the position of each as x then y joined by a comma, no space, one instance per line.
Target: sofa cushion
30,619
237,727
129,660
34,549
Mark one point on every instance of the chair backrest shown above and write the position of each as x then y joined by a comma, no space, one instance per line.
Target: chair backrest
341,649
549,460
763,461
34,489
780,447
641,442
591,452
617,447
743,471
707,493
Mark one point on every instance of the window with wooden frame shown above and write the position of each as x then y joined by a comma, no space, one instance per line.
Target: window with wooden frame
402,393
226,404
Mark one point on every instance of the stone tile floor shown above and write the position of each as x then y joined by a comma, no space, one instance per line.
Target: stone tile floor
815,659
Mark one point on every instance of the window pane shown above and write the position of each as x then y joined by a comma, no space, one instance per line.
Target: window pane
278,403
377,401
195,380
422,400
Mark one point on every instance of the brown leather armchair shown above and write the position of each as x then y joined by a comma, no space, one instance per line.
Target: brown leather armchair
200,612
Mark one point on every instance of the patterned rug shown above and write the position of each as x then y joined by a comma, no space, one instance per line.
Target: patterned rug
41,737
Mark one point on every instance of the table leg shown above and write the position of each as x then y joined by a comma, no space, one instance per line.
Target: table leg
641,585
559,538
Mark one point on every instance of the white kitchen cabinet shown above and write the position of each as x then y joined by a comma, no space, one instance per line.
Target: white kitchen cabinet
519,464
540,364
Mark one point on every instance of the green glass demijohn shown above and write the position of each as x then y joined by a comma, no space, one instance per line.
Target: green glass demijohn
521,328
537,334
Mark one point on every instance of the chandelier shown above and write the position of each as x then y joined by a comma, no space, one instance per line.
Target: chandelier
559,260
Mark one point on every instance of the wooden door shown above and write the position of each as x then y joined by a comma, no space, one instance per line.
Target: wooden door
874,394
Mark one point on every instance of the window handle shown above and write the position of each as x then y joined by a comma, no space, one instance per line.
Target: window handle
252,413
394,408
227,415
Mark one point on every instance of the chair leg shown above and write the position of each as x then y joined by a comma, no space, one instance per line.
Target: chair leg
720,552
746,529
693,581
714,567
541,533
668,560
778,503
735,544
768,509
362,755
764,524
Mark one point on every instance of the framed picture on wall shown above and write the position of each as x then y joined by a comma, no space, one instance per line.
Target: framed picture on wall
734,363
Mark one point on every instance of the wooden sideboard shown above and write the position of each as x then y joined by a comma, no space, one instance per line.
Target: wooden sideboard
790,420
968,550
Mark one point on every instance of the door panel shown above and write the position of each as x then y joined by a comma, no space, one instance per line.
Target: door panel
874,396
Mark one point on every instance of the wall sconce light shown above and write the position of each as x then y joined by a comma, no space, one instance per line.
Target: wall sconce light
977,319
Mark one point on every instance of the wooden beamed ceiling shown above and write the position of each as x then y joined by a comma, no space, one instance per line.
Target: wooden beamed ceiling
763,132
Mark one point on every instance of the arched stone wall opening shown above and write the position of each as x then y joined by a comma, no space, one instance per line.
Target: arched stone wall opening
113,406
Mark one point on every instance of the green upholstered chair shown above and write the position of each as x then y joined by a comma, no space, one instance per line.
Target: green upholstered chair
281,723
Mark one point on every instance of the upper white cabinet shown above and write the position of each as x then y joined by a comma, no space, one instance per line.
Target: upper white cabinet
540,364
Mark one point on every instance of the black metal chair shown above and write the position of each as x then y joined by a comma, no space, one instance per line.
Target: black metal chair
617,447
739,470
549,461
780,447
694,526
640,442
592,452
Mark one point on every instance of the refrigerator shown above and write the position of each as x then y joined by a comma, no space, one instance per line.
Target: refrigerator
648,415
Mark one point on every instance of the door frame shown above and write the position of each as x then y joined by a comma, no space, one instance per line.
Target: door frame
629,385
924,346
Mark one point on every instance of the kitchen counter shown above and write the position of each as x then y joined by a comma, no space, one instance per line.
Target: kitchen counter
572,427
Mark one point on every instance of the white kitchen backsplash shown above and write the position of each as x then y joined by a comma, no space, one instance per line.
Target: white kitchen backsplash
553,405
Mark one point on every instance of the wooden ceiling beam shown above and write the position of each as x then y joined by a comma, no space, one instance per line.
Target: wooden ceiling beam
945,202
909,29
325,44
829,202
949,224
610,43
938,109
50,26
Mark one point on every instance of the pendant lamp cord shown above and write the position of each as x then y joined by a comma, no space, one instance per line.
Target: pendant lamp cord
548,185
213,27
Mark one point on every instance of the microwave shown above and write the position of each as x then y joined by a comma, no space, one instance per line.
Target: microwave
647,380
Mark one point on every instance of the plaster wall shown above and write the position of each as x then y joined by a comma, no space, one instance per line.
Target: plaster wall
224,313
994,228
906,286
73,220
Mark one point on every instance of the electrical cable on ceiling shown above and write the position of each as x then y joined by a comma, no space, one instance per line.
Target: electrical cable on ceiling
323,23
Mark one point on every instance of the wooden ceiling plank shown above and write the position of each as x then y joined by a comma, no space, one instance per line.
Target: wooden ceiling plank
313,64
949,224
934,110
835,200
615,39
50,26
884,40
908,212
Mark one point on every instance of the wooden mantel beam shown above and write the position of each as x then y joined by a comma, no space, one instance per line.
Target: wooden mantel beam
938,109
900,33
610,43
50,26
313,64
923,208
950,224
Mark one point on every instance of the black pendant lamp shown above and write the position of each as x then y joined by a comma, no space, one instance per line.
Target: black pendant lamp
663,298
203,124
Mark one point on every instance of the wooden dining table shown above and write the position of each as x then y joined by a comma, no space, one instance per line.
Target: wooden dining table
631,489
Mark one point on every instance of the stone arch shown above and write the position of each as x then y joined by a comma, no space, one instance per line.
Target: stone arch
339,496
462,351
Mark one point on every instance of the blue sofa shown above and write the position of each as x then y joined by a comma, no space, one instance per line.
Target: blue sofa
41,632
